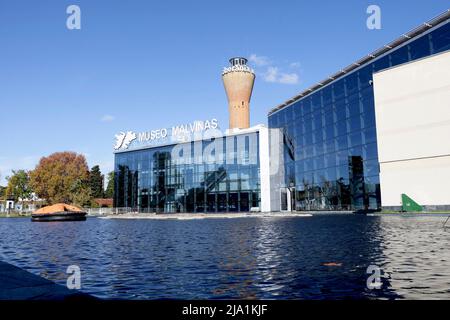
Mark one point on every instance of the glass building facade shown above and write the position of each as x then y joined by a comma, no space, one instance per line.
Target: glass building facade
330,134
226,179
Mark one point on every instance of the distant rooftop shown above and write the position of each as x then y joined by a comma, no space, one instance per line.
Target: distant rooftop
394,44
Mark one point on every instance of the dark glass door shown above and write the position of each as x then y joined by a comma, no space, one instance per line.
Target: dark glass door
244,203
284,199
211,203
222,202
233,202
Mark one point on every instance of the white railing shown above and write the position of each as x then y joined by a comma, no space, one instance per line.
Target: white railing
100,211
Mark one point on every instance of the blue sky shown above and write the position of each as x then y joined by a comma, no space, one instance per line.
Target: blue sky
142,65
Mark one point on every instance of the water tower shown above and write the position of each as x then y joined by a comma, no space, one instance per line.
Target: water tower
238,80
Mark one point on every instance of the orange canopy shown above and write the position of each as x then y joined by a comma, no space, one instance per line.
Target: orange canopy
59,207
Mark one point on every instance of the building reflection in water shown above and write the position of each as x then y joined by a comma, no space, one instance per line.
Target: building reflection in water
236,264
321,257
285,258
269,243
415,256
253,264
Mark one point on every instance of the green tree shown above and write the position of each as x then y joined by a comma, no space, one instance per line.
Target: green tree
2,192
81,193
2,188
19,185
62,177
96,182
109,193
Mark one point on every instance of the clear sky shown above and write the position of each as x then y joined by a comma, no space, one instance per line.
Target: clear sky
142,65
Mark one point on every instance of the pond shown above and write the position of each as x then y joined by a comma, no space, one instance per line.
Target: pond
320,257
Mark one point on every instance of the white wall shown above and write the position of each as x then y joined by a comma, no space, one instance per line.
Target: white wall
426,181
277,176
412,108
264,160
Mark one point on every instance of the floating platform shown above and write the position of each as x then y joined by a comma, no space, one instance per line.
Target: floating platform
59,212
59,216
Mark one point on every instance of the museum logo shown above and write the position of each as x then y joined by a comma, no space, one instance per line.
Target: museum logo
124,139
176,134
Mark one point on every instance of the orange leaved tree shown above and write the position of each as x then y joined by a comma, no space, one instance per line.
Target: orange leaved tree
62,177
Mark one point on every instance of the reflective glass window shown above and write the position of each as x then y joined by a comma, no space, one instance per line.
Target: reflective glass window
440,38
341,128
365,76
381,63
399,56
352,83
420,48
338,89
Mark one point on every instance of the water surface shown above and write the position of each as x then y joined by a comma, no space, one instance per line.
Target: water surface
248,258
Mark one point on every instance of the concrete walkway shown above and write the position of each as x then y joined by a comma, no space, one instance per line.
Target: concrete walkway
193,216
18,284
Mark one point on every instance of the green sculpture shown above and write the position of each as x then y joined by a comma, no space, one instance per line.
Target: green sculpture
409,205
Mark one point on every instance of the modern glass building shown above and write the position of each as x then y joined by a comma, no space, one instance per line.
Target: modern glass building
209,175
331,157
322,149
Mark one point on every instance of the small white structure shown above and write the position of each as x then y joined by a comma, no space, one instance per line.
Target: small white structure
9,205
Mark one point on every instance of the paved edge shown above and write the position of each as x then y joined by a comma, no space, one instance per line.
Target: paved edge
18,284
193,216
